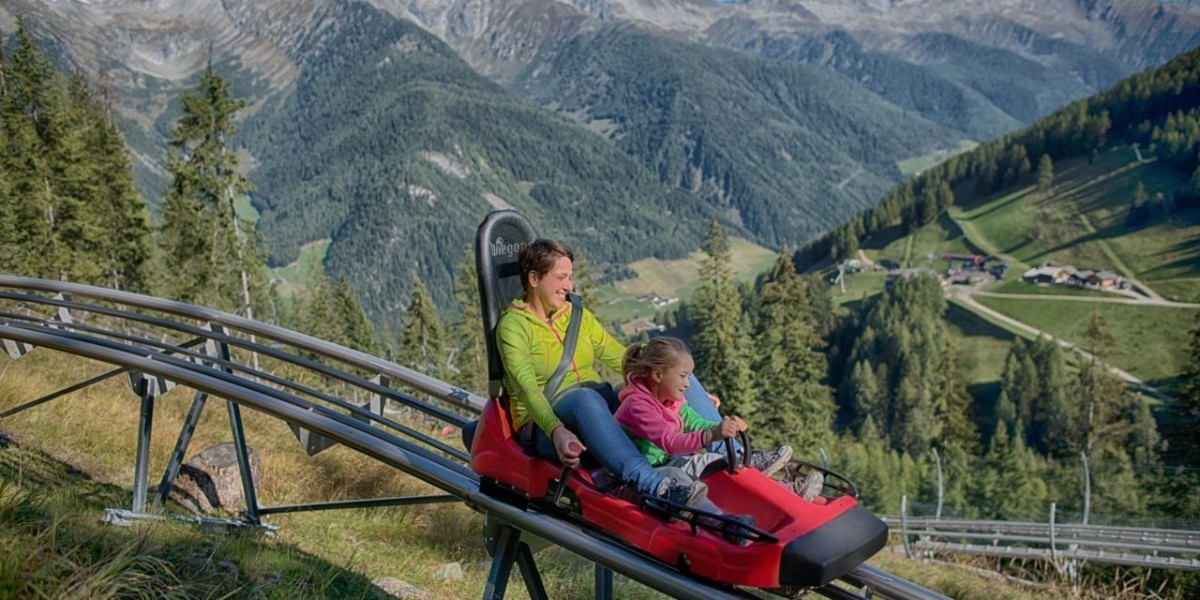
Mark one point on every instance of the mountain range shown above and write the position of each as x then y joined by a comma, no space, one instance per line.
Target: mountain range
391,127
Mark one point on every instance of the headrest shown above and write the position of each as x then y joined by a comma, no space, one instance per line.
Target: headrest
499,239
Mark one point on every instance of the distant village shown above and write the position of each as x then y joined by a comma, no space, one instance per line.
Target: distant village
1068,275
973,269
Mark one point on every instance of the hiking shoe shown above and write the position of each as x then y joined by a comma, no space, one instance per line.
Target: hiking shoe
689,494
738,535
769,462
808,489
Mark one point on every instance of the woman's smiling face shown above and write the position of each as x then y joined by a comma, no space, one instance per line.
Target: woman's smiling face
550,290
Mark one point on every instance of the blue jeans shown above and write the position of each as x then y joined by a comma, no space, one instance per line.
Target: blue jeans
585,412
697,398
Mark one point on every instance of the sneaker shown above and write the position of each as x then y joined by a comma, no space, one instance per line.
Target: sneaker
769,462
687,494
811,486
736,534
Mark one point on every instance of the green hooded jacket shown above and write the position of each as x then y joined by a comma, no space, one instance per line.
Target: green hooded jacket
531,348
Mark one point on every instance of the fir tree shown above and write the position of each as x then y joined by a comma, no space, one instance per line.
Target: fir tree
123,251
470,353
794,407
719,342
422,346
210,255
357,332
1045,174
36,250
959,433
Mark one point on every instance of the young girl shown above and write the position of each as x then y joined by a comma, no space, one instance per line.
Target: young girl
666,430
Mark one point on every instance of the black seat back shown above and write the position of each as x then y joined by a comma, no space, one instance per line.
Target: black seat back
501,236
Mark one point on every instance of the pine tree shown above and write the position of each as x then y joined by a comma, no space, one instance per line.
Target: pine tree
317,316
719,343
1190,393
422,346
794,406
123,250
357,332
470,354
35,249
210,255
1045,174
958,429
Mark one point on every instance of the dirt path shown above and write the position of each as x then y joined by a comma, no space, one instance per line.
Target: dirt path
1136,301
845,182
965,297
1118,264
864,261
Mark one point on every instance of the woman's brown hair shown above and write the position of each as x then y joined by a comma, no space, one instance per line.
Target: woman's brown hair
540,256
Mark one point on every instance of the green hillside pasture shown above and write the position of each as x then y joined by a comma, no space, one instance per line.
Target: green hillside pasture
858,286
937,238
1017,286
1002,227
981,345
292,278
1185,289
1166,251
1150,340
630,298
1083,222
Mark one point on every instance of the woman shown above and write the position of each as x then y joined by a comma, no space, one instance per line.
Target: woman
530,337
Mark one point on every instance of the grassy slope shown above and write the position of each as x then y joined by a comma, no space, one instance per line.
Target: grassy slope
94,431
625,300
1080,222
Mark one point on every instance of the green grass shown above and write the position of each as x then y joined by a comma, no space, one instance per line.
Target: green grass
1179,290
858,286
1149,339
66,466
981,345
1018,286
935,239
293,277
627,300
245,209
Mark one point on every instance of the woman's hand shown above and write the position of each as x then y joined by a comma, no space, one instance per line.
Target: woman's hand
567,446
715,400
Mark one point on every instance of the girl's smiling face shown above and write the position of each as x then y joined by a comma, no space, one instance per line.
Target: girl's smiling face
672,382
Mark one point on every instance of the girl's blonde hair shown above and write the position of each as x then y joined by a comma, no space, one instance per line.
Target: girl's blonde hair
659,353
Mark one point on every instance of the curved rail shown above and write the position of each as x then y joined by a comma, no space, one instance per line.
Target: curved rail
129,331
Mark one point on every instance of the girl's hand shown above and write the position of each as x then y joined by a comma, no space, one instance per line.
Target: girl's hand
567,446
727,428
741,425
715,400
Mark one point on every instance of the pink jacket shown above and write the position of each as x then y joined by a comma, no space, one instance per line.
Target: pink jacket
647,417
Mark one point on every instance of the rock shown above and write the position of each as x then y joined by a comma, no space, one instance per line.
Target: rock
212,479
449,572
395,588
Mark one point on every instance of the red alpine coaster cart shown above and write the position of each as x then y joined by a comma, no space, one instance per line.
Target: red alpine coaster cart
793,544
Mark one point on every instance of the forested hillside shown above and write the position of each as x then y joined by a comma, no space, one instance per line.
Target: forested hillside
398,177
1156,108
788,149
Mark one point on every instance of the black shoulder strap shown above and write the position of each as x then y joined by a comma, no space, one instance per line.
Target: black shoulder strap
569,343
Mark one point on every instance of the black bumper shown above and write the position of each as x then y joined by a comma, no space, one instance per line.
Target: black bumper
832,550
